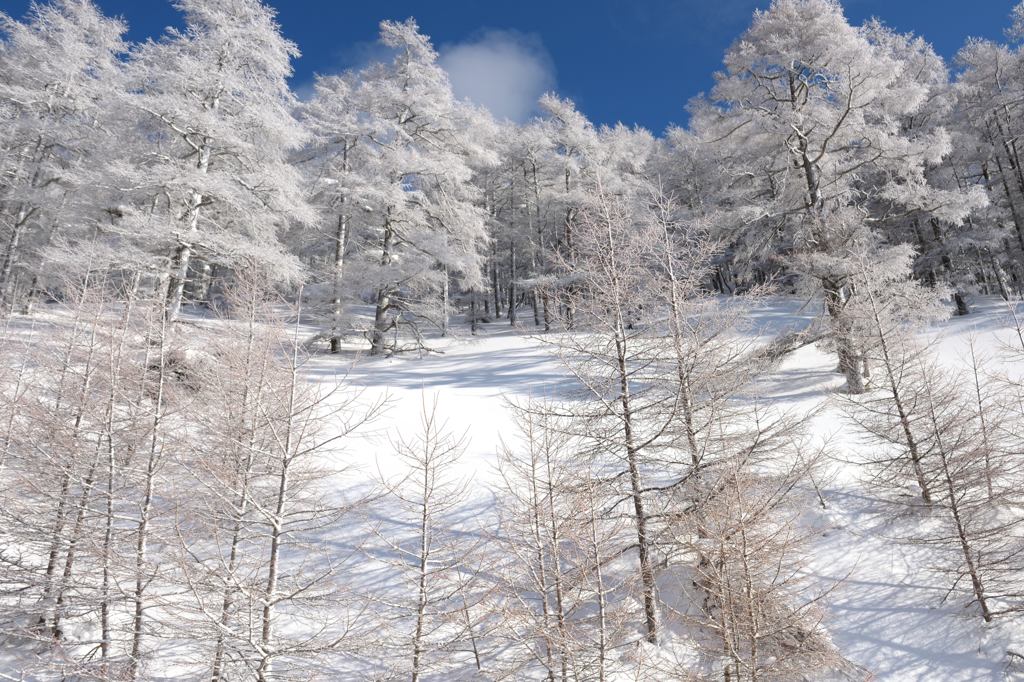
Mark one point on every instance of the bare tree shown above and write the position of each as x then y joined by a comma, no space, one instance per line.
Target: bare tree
88,409
613,356
963,441
889,312
980,484
428,550
565,610
757,615
252,554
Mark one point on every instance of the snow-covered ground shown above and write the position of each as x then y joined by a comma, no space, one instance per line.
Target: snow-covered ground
888,614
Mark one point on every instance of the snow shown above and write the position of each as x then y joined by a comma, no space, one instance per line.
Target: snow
887,613
473,379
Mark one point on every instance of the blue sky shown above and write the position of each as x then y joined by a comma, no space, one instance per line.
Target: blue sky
635,61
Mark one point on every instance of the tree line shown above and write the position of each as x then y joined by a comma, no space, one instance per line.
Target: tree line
176,159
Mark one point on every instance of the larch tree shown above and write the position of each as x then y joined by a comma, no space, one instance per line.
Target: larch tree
890,308
812,112
610,350
761,617
265,593
429,229
432,557
335,164
946,434
59,77
211,175
565,611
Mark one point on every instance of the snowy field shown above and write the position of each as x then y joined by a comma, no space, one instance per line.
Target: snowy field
887,612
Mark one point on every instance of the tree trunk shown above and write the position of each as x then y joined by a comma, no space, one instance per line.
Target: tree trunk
540,266
636,488
142,533
269,597
183,253
495,285
10,255
72,551
554,540
339,270
445,300
534,298
382,310
893,376
341,236
421,593
599,587
541,570
977,586
848,357
629,443
834,299
512,283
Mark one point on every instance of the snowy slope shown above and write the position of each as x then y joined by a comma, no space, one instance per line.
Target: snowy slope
887,614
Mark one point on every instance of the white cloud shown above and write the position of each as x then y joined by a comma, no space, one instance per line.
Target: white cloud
505,71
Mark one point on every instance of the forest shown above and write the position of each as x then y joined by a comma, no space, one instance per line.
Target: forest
368,384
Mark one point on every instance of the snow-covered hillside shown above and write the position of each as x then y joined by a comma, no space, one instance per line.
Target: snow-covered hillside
371,383
886,610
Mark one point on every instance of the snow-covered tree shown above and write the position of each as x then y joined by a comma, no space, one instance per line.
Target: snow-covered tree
809,116
59,73
210,173
984,121
335,165
427,226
